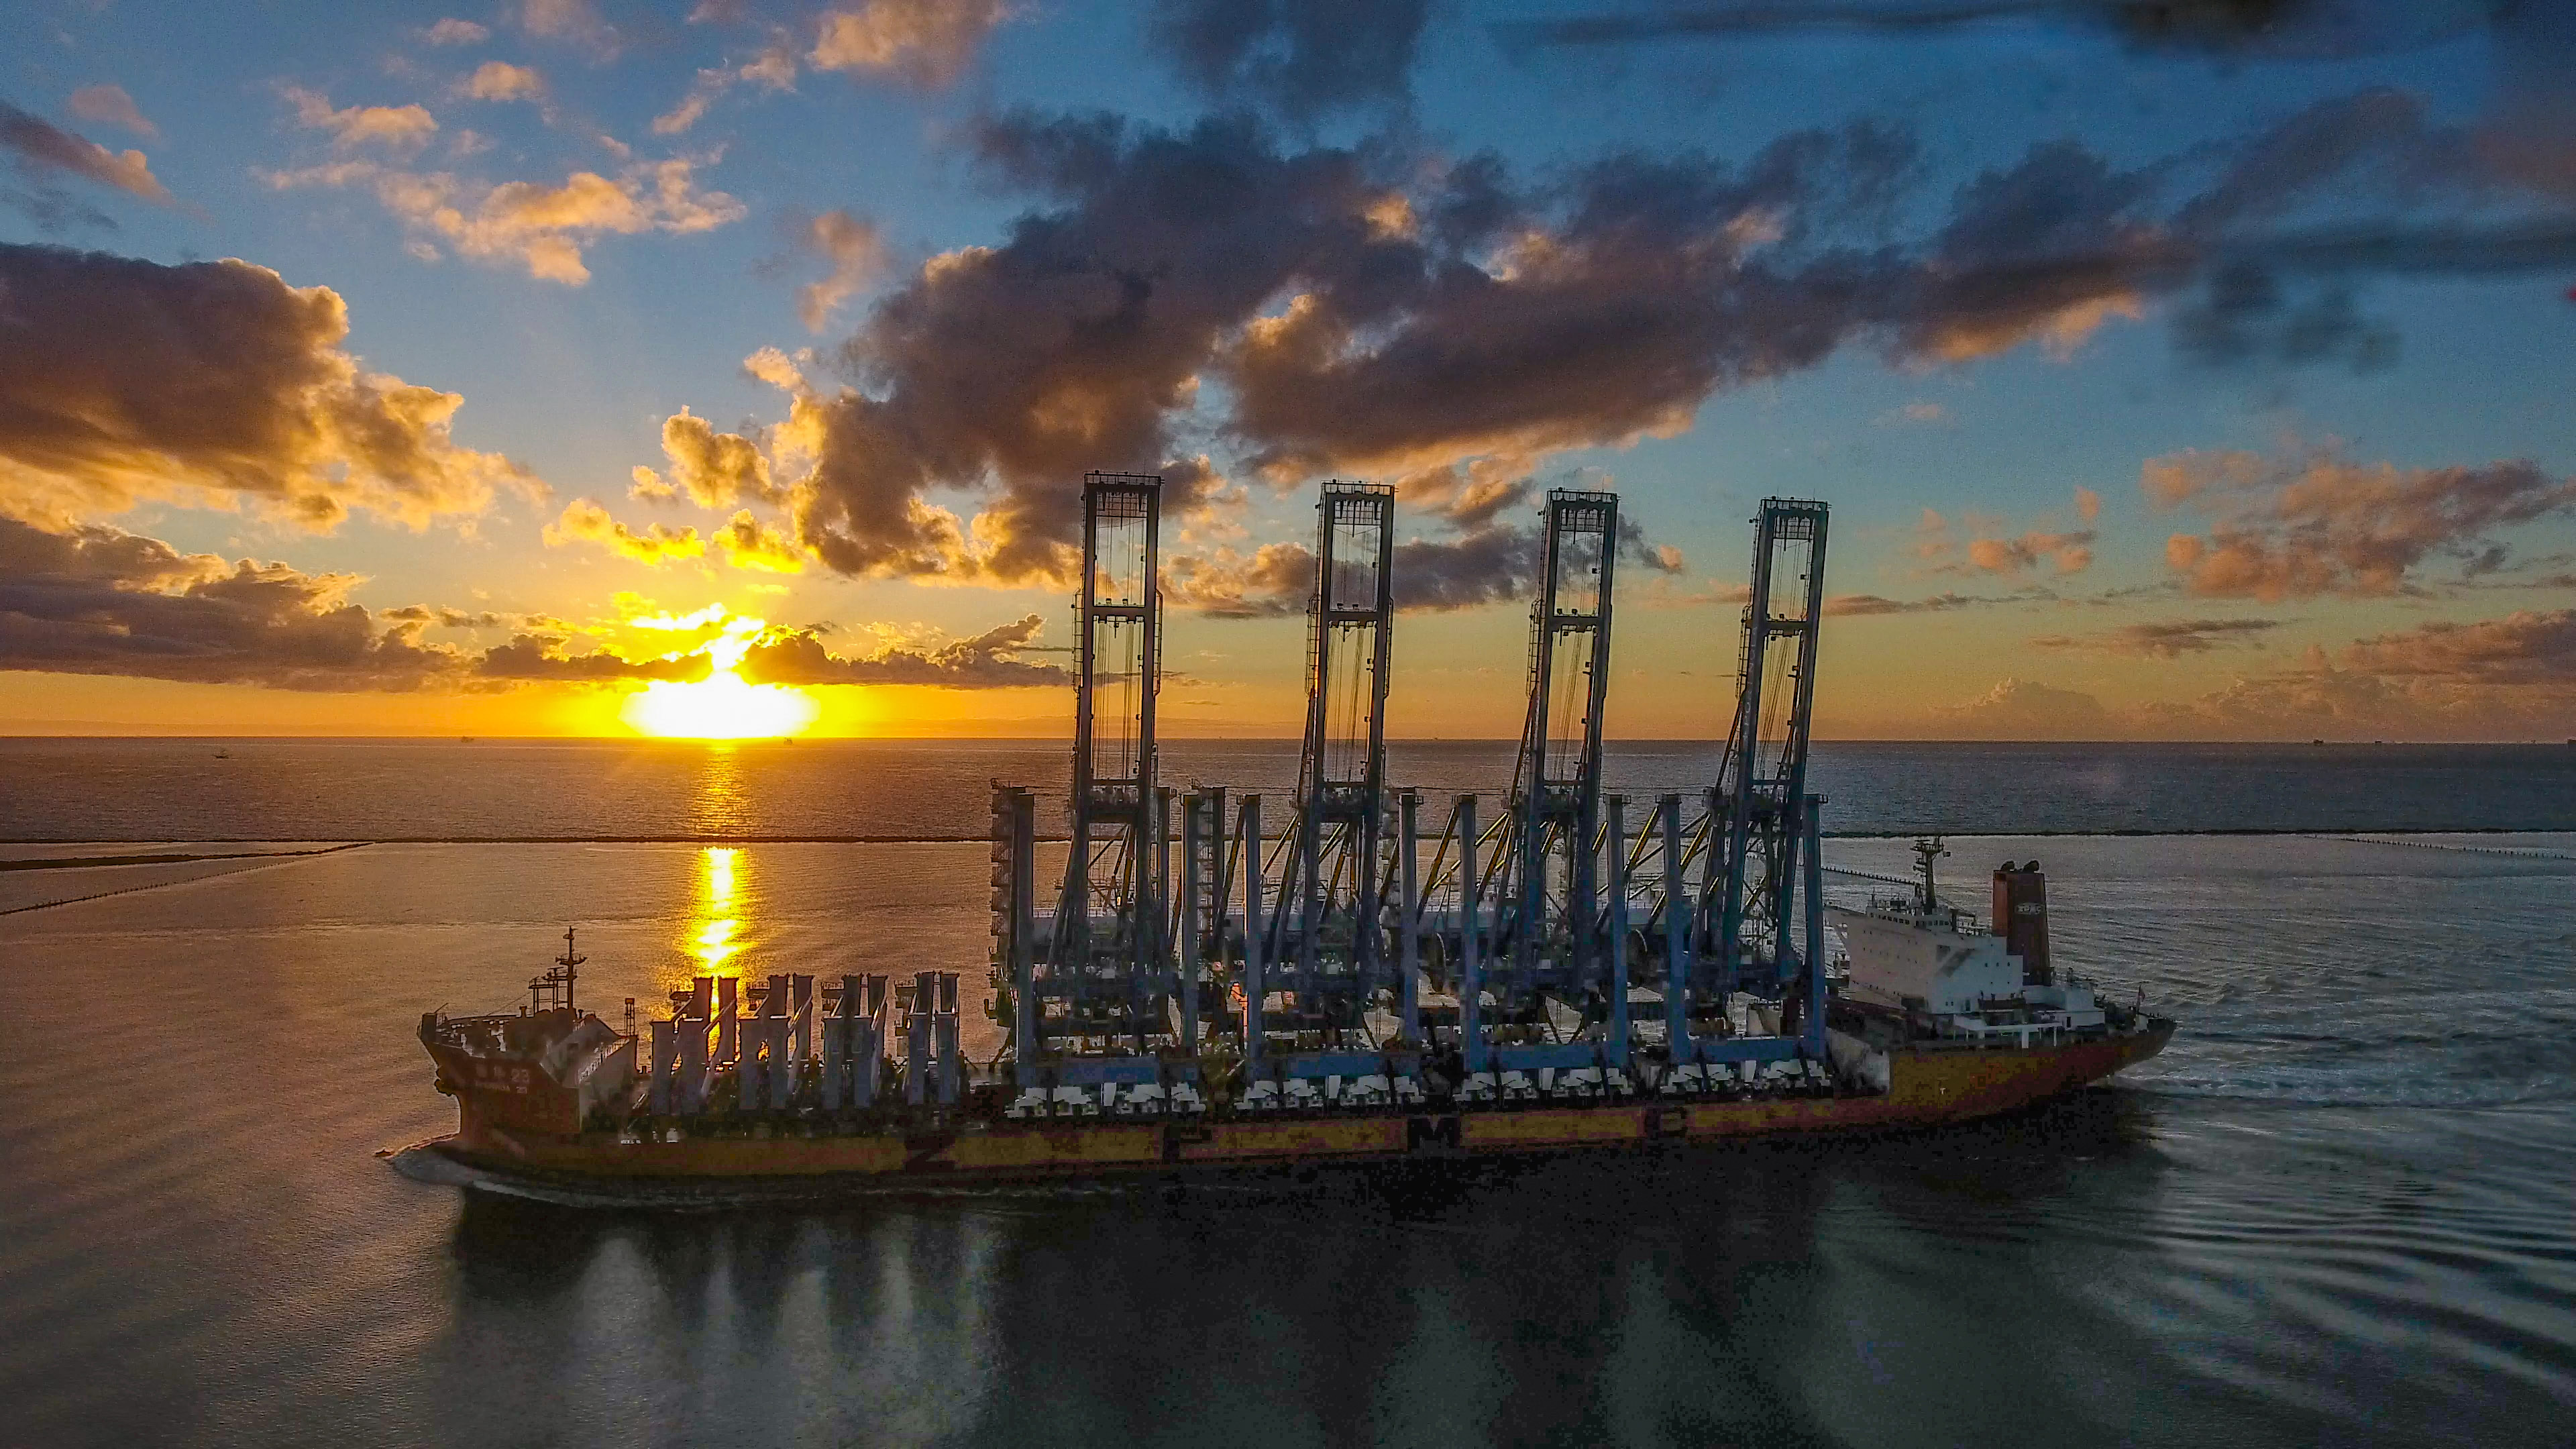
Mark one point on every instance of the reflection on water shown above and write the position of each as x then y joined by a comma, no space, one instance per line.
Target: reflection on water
2319,1218
1788,1295
715,931
721,804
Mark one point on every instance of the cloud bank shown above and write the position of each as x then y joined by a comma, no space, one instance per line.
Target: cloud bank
214,384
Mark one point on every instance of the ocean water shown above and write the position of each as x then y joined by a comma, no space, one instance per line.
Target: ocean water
2341,1208
155,789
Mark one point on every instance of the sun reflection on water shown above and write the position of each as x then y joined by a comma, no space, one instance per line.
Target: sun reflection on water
715,933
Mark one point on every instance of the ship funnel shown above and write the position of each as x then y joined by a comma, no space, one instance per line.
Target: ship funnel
2021,918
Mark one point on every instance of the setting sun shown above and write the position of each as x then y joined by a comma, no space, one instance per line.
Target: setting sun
724,705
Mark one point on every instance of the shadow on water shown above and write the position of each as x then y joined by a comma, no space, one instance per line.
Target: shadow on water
1672,1296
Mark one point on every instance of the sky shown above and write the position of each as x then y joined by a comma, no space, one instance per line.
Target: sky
2171,372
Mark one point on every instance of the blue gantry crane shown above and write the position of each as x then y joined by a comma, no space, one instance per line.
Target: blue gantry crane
1544,953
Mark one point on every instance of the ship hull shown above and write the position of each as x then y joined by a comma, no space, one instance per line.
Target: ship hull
1927,1088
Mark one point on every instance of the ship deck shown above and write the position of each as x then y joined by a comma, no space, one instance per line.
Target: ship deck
1928,1088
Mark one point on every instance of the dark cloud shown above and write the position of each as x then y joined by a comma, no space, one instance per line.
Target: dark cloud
97,600
2244,316
540,656
1376,311
2527,647
1305,58
1618,303
2163,638
123,379
2318,523
442,617
1069,346
1860,606
1485,564
2227,29
2507,678
41,148
989,660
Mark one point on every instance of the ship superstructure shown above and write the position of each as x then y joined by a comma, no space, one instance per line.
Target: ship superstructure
1353,970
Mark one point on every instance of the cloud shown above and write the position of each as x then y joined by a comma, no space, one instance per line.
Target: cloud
987,661
2019,709
452,31
1487,563
211,382
1380,310
2527,647
577,22
584,520
401,129
2508,678
928,42
2313,524
1272,581
444,618
2068,553
98,600
92,599
1304,57
110,105
750,544
541,657
498,80
542,228
41,151
1857,606
2163,639
1989,549
1073,344
1468,495
1914,412
715,470
774,68
856,253
2243,30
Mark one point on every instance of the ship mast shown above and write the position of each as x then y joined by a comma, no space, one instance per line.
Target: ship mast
558,982
1926,850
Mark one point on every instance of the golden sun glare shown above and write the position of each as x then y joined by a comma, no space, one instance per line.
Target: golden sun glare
724,705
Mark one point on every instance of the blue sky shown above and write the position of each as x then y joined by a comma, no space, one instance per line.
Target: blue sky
2372,486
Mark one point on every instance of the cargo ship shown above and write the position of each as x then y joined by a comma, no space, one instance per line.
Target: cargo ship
1193,991
1934,1020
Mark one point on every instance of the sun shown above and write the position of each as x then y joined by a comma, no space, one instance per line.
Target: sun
724,705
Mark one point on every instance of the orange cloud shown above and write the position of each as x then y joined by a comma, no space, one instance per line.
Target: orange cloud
212,383
584,520
926,41
498,80
110,105
42,146
716,470
2317,524
397,128
542,228
856,252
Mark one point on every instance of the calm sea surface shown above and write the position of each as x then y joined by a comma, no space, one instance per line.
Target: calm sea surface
2340,1209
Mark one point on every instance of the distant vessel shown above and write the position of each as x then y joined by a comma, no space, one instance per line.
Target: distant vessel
1213,994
